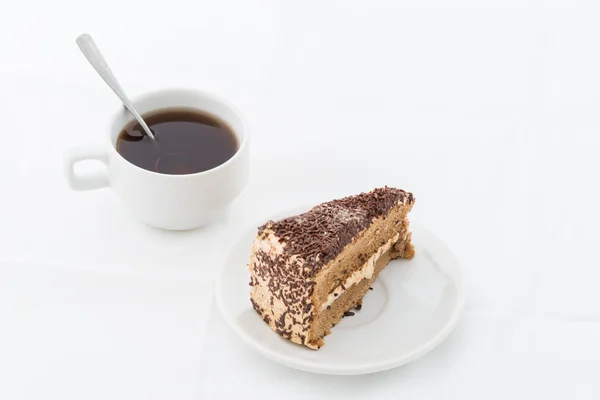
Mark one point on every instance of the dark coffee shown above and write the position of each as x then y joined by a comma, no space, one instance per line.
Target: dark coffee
187,141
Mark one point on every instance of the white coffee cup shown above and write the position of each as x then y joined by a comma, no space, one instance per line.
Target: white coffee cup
174,202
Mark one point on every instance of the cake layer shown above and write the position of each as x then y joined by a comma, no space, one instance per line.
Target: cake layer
352,297
365,272
395,227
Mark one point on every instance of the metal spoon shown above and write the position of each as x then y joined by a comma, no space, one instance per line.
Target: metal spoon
90,51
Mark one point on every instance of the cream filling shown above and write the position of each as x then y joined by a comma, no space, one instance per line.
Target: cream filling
365,272
269,244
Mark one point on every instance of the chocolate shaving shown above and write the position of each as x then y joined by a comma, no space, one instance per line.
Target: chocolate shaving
320,234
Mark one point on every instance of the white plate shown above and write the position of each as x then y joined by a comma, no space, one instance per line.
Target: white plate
412,308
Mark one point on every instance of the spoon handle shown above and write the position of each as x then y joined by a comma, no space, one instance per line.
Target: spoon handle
92,53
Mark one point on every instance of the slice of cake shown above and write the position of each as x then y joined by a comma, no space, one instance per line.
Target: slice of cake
308,270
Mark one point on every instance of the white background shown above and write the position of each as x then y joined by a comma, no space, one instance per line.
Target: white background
486,110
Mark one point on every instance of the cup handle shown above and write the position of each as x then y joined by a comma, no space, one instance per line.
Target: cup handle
89,182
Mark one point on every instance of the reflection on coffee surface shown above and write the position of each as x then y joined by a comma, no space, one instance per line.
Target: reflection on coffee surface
187,141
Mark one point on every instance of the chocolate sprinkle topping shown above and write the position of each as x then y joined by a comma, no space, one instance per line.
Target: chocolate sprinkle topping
320,234
256,307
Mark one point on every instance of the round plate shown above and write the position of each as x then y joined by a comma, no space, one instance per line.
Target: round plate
412,308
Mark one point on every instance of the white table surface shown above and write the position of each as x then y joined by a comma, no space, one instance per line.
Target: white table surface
487,112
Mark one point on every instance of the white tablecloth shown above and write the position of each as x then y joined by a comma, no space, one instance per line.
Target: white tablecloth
487,112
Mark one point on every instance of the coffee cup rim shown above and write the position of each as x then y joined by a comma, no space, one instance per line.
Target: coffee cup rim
242,137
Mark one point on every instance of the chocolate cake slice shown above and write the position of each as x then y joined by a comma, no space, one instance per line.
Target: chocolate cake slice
307,271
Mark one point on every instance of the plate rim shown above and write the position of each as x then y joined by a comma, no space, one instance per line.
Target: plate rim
311,366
